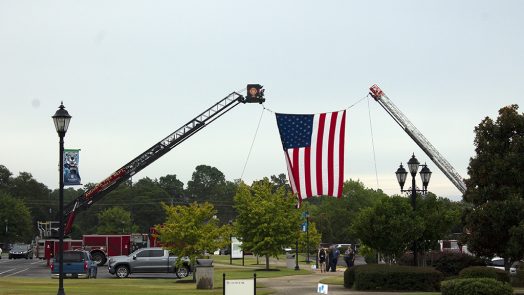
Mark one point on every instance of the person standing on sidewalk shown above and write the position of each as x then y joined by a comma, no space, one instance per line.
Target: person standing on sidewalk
322,259
334,258
349,257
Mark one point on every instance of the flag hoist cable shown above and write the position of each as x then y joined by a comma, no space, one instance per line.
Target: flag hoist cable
252,143
373,144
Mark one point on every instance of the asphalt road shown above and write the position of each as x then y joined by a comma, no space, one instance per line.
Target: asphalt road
37,268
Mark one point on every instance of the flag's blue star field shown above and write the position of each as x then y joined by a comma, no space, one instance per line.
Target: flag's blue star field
295,130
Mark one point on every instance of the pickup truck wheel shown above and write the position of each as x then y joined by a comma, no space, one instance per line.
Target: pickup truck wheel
122,271
99,258
182,272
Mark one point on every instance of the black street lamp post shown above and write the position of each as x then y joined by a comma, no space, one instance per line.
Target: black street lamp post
307,236
61,120
425,175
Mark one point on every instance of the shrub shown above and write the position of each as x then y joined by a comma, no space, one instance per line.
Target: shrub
484,272
475,286
518,279
393,277
349,276
450,264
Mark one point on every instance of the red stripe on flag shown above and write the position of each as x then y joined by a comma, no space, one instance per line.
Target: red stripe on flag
307,170
331,153
296,175
341,155
321,123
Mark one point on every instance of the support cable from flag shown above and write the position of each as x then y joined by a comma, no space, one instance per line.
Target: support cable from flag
252,143
373,144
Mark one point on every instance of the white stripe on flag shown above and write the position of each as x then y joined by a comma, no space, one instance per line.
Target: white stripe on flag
289,155
325,147
302,172
314,135
336,166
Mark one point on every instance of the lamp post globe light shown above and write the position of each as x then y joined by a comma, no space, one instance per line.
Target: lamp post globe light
61,119
425,175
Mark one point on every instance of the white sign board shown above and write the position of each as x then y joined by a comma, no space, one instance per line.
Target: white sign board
240,287
236,251
322,289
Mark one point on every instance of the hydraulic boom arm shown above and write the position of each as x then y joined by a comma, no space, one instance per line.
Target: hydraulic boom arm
417,136
158,150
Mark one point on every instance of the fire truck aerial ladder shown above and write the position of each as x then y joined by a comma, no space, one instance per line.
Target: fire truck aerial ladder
255,94
418,138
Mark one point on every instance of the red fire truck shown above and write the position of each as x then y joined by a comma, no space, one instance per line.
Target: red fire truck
104,246
100,246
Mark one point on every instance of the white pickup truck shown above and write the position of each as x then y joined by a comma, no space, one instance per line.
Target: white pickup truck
147,260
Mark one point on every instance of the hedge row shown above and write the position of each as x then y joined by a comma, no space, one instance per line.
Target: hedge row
475,286
484,272
449,263
392,278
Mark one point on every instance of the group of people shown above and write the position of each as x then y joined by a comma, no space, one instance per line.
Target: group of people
328,258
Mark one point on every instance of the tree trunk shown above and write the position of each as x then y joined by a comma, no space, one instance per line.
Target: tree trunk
267,261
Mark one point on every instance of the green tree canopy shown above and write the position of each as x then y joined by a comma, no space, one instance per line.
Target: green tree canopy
15,212
334,217
193,230
388,227
495,189
440,216
115,221
267,221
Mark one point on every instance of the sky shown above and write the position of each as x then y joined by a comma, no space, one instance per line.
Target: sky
132,72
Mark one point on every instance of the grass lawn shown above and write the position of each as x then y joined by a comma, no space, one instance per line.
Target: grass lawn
131,286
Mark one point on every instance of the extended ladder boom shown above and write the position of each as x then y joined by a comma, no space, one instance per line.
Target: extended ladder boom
417,136
156,151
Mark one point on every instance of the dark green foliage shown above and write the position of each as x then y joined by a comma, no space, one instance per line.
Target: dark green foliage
393,278
334,217
450,264
349,276
475,286
484,272
518,279
495,188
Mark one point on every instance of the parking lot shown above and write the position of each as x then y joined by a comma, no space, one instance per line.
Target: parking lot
37,268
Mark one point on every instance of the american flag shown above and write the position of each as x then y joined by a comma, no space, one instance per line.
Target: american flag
314,150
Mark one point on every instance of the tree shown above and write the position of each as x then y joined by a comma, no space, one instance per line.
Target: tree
208,184
18,218
388,227
267,221
172,185
439,215
313,236
495,188
35,195
334,216
115,221
5,177
192,230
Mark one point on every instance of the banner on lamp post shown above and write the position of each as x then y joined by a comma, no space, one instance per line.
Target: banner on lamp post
71,172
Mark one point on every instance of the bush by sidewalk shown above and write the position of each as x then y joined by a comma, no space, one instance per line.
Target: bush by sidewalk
484,272
392,278
475,286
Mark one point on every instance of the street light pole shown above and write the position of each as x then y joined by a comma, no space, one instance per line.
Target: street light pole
61,120
307,236
425,175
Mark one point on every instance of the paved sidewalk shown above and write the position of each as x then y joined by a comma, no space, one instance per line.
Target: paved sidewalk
307,285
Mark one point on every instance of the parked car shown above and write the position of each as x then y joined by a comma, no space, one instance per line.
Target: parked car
517,265
21,251
147,260
77,264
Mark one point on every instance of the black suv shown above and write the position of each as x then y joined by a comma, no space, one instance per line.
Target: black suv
21,251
